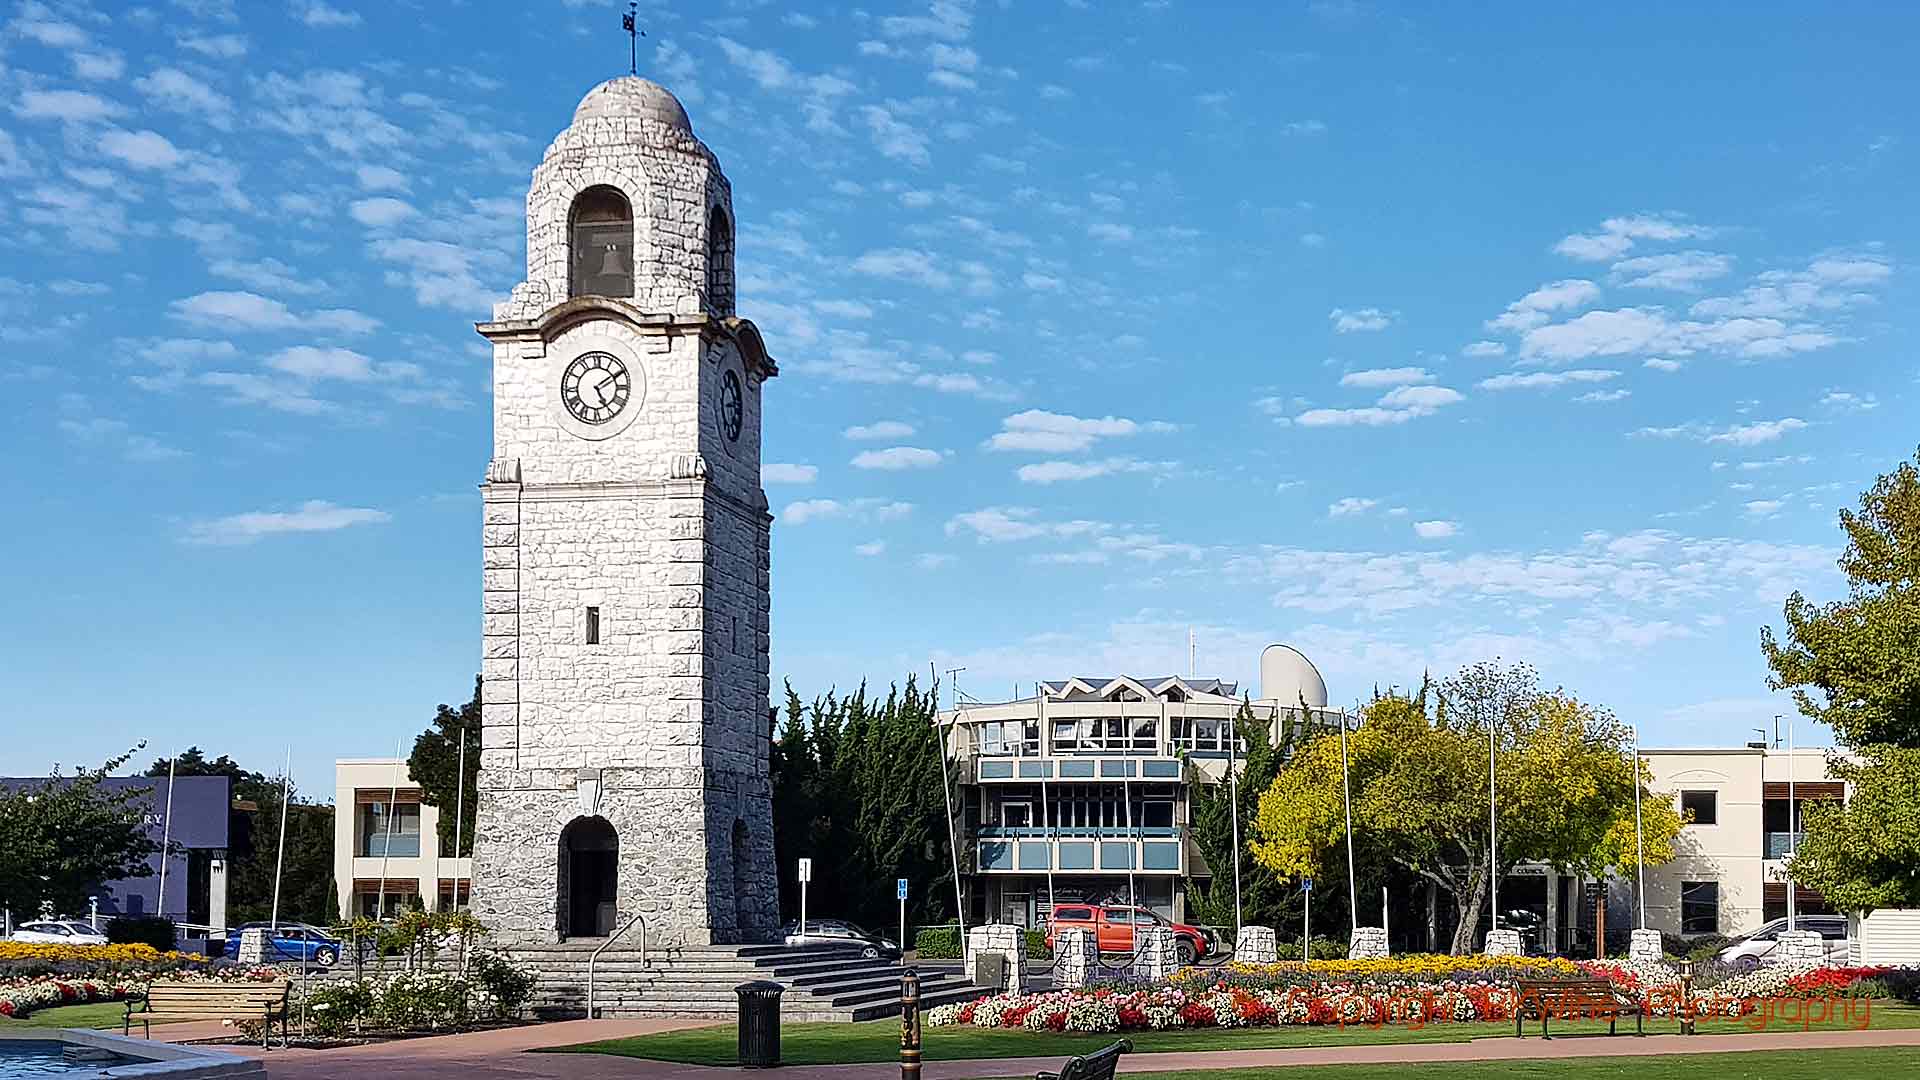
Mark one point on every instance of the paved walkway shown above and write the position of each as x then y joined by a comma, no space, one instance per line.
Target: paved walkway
500,1055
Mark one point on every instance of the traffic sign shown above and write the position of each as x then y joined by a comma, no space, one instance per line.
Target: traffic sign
1306,884
900,889
806,869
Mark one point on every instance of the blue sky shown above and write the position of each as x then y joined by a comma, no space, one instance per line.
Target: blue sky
1559,335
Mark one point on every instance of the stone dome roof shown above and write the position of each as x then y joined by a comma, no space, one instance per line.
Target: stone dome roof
630,95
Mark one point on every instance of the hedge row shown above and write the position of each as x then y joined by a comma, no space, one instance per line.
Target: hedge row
943,943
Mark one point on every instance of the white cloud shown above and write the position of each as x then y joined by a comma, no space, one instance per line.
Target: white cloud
1829,283
218,46
174,90
870,548
774,472
1351,506
313,516
1682,270
1421,398
1763,507
1841,399
103,64
1436,530
896,458
380,178
1658,363
141,149
1007,524
893,137
1360,320
1532,309
67,106
1485,348
1039,431
1761,431
324,16
1594,397
1617,236
251,311
1053,472
1109,232
1377,377
1545,380
866,509
844,309
879,429
381,213
1649,330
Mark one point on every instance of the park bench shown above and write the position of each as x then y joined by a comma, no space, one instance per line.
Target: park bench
1099,1065
240,1002
1573,999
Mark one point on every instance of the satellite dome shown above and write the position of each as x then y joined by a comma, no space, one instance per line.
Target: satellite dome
1287,676
630,95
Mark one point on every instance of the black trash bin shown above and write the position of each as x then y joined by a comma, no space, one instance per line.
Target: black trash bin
759,1023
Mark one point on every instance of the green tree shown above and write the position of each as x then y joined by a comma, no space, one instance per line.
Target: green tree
435,766
1265,898
1419,780
65,835
1855,664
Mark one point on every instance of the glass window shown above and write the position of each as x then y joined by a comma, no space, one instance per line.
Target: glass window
1017,815
1206,734
1699,907
602,242
1703,805
1156,815
1116,733
1066,735
1072,914
1144,734
990,739
397,833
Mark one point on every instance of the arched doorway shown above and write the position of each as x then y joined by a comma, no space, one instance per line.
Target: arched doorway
589,877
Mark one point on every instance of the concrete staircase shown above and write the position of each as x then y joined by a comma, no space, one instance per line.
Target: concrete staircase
823,981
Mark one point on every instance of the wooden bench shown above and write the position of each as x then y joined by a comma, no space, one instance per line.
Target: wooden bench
241,1002
1573,999
1099,1065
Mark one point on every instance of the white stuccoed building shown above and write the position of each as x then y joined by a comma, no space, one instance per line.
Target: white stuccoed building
624,768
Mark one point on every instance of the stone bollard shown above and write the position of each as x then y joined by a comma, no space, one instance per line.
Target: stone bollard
1645,947
1155,955
1076,952
1504,943
1256,945
1799,946
1007,940
1368,942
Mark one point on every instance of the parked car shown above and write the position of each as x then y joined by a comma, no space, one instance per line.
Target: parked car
1113,927
878,947
292,941
1748,950
59,932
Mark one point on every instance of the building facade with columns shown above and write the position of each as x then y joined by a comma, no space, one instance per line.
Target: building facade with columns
624,766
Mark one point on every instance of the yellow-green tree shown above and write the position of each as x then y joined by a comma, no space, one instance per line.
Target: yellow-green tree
1418,768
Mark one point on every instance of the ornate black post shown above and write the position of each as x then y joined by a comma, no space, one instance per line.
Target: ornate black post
909,1025
1686,997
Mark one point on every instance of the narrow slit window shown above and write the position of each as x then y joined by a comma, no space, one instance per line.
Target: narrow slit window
593,626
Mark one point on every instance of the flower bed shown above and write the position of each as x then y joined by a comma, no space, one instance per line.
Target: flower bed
20,996
1419,969
20,958
1221,1005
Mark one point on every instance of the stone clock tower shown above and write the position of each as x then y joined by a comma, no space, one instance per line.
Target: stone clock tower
624,765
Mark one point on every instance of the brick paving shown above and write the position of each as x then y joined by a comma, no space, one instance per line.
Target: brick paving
504,1054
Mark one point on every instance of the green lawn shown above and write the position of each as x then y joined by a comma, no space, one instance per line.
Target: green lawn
1779,1065
879,1040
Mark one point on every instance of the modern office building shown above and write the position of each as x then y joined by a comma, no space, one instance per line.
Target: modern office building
1082,791
386,851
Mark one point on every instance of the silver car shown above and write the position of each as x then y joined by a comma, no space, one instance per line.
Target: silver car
1749,950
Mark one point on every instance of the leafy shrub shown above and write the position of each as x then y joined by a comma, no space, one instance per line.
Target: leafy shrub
154,930
1037,947
938,942
423,1001
1327,949
502,988
339,1007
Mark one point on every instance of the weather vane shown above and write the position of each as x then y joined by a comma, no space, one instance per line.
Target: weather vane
630,22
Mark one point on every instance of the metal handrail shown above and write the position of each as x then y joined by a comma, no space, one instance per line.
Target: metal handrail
605,945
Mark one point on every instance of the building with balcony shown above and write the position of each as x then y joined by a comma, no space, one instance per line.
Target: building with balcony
1081,792
386,847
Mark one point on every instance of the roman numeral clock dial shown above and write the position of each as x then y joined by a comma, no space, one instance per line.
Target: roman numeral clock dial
596,387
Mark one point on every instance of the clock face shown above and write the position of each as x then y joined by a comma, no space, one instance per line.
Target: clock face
596,387
731,405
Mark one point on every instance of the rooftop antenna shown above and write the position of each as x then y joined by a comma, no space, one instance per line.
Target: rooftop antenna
630,22
1190,654
953,680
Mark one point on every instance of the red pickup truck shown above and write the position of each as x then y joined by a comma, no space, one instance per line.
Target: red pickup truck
1113,928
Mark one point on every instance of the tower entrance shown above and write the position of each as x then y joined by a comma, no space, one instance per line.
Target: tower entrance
589,877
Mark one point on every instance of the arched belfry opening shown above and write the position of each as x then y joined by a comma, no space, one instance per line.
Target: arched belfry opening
600,244
589,877
720,262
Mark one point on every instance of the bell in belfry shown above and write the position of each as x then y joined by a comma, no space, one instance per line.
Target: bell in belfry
610,264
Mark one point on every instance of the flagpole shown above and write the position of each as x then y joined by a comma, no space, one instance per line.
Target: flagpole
386,849
1639,839
459,815
1053,838
1346,799
1233,793
166,841
946,793
1493,824
280,857
1792,824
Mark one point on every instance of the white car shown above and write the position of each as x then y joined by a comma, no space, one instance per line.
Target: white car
1751,950
59,932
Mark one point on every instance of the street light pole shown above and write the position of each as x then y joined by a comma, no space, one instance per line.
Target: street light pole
1639,841
1346,799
